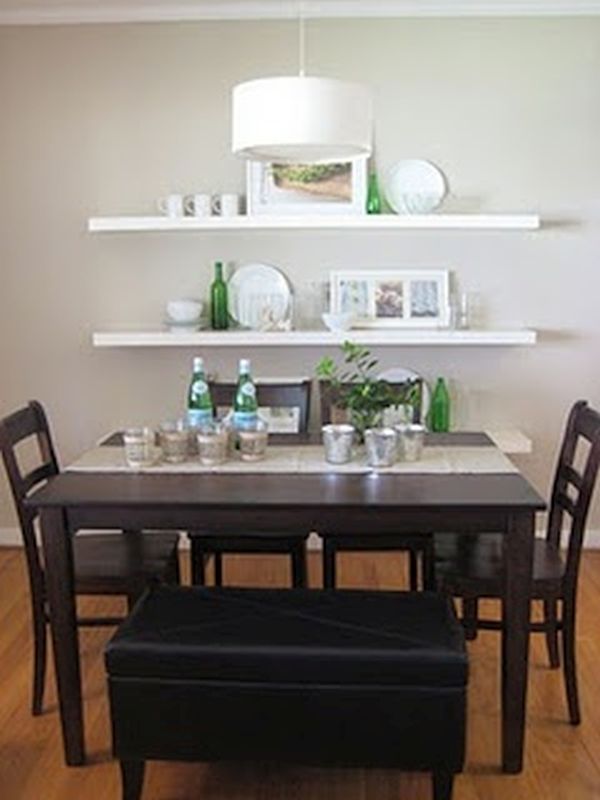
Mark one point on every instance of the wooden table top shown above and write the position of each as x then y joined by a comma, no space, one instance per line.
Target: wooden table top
281,490
413,491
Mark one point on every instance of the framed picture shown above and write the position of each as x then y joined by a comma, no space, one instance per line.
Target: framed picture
392,298
303,189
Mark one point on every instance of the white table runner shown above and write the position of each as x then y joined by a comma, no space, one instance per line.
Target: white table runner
311,459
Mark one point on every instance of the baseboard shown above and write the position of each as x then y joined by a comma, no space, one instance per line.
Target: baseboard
10,537
592,540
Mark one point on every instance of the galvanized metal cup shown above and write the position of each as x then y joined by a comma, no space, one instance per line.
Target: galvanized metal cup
381,447
174,440
338,441
253,441
139,447
212,444
410,442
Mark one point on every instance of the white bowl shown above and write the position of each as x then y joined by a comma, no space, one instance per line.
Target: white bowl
185,311
338,322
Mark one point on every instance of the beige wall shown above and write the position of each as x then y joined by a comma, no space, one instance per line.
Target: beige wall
102,120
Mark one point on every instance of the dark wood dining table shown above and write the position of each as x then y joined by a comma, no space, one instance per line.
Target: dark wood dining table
327,502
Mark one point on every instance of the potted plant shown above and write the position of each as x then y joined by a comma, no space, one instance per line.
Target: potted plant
356,388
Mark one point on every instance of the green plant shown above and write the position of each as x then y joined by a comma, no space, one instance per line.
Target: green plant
356,387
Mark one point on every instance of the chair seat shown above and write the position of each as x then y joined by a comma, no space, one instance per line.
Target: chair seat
111,561
476,561
292,636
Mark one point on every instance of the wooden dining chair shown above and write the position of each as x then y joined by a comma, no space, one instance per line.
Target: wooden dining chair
293,395
105,564
471,566
418,547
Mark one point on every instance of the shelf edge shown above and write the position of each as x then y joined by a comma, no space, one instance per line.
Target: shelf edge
391,222
314,339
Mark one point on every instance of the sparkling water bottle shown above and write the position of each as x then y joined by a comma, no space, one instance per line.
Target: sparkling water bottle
245,405
199,404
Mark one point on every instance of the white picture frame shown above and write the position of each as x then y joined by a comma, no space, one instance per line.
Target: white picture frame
343,192
398,298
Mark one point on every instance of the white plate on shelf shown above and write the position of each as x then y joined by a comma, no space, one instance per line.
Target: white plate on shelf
260,297
404,374
414,186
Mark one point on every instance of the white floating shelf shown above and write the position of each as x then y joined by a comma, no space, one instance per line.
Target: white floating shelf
322,222
382,338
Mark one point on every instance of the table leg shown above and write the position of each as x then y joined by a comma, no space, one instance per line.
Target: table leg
60,587
518,554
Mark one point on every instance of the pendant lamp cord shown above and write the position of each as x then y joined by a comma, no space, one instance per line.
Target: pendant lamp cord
301,39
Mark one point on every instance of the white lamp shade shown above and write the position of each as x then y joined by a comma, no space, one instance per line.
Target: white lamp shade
300,119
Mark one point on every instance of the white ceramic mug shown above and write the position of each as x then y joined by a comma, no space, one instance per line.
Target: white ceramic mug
227,205
171,205
198,205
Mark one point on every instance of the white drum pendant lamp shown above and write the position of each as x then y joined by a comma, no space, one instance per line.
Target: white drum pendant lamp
296,119
301,119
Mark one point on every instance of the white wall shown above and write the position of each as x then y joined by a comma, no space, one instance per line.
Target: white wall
104,119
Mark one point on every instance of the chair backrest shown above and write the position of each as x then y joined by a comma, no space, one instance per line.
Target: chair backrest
288,394
28,423
574,482
331,410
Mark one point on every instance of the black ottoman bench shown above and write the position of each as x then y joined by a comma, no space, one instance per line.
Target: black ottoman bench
321,677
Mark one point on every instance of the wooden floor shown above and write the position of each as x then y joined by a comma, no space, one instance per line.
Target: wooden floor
562,762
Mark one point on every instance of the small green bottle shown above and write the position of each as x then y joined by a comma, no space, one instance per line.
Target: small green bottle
219,315
439,413
373,196
245,404
199,404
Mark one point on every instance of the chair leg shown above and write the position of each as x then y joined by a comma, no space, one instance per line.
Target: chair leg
443,783
470,609
175,571
550,620
197,562
132,779
40,634
137,589
413,570
569,662
329,576
298,557
132,598
218,567
428,565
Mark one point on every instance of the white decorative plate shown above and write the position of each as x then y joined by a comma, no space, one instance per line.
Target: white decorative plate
403,375
260,298
414,187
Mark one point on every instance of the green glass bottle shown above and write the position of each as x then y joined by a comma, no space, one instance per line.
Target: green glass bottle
219,315
199,404
245,404
373,196
439,412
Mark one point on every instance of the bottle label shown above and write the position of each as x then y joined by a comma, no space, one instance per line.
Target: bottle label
248,389
199,416
199,389
243,420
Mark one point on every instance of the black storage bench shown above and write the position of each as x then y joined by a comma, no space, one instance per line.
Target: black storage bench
322,677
